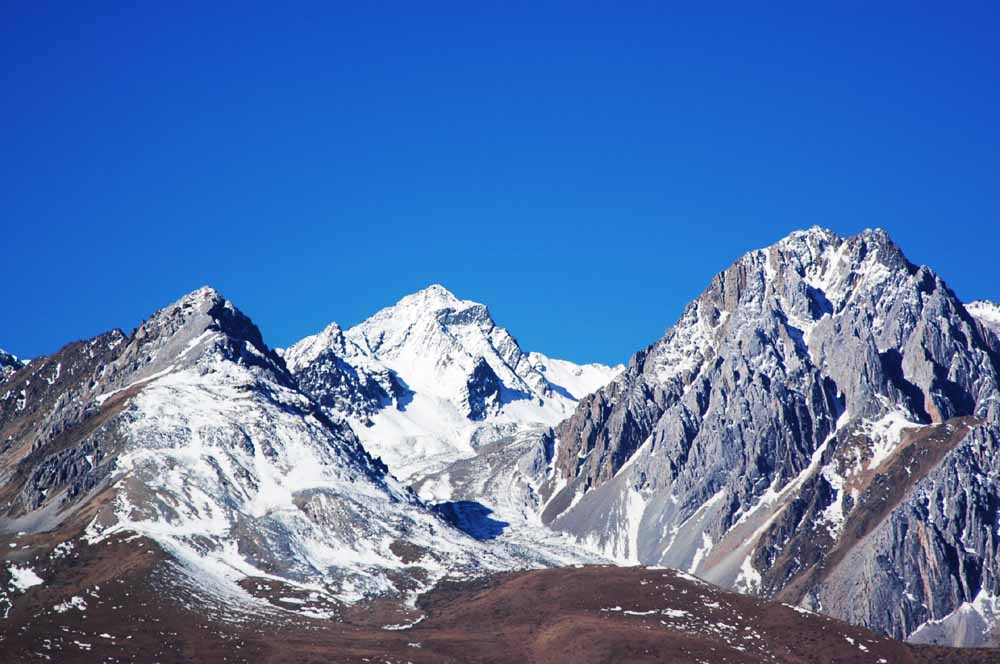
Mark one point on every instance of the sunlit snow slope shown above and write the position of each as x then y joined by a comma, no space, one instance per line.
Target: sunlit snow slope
432,379
192,433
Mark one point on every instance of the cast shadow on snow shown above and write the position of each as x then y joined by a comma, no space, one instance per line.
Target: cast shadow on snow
471,518
559,389
402,394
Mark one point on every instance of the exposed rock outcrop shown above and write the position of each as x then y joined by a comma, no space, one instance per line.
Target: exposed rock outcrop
818,426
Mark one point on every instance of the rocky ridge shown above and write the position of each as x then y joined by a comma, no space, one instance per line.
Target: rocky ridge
818,426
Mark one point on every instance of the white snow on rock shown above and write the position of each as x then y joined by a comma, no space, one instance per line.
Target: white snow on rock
75,602
215,462
886,434
230,469
578,380
434,345
986,312
9,364
22,578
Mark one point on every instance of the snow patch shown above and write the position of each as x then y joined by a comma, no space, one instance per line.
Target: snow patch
22,578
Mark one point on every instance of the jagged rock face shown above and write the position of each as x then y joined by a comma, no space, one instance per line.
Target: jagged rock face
927,567
432,378
192,432
343,388
764,442
483,391
47,413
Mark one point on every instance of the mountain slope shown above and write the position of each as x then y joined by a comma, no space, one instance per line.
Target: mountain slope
588,615
191,433
818,426
432,378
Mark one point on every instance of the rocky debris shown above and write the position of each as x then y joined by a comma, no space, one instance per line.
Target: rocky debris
764,437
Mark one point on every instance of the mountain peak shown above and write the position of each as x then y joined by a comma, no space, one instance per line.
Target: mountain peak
436,369
750,443
8,364
308,349
432,310
434,297
818,236
203,294
830,265
814,232
202,322
202,304
435,289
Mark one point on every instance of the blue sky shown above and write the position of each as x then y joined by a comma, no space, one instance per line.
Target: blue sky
582,168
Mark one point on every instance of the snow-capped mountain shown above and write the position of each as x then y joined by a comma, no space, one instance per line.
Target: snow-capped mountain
986,312
432,378
192,434
819,426
8,364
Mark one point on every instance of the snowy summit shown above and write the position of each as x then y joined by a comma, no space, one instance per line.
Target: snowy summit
433,376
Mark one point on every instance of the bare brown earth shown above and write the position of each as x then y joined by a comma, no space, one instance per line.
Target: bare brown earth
140,609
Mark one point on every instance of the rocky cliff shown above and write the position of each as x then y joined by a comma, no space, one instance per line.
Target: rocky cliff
818,426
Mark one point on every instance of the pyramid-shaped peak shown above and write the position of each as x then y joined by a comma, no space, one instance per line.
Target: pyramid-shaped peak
308,349
433,303
436,290
198,311
201,295
200,302
434,296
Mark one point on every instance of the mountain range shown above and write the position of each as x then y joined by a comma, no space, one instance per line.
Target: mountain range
810,449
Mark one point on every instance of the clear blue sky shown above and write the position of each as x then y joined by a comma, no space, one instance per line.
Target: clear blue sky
582,168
